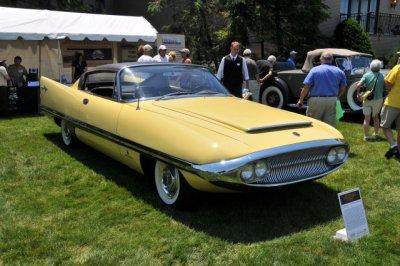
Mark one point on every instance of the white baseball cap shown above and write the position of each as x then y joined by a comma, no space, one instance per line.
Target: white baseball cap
162,47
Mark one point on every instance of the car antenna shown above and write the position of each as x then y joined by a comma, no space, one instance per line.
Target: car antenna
137,95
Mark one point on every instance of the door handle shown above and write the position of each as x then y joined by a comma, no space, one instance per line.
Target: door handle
85,101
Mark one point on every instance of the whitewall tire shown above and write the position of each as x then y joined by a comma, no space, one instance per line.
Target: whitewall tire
172,188
354,104
273,96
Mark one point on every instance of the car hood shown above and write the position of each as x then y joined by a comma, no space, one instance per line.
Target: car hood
235,113
221,127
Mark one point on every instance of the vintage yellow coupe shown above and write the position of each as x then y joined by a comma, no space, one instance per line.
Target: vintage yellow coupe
178,124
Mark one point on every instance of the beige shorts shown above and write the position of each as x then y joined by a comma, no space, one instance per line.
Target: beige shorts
389,115
372,107
322,108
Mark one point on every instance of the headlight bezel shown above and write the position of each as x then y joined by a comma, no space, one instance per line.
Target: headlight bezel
340,154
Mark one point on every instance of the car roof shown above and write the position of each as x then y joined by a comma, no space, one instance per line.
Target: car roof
311,55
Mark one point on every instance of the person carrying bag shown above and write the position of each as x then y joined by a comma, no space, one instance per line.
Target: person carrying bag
372,98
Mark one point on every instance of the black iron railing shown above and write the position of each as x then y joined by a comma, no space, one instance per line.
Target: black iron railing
377,24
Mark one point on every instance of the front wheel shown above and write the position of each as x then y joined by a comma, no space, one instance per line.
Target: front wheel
273,96
172,188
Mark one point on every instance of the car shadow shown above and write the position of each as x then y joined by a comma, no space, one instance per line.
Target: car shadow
238,217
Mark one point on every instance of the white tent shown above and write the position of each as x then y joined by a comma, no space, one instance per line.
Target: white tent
35,34
32,24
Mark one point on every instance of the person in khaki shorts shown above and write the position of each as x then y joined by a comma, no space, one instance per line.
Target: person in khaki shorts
323,84
373,81
391,112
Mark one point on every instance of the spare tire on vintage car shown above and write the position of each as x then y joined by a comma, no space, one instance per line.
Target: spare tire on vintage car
273,95
351,98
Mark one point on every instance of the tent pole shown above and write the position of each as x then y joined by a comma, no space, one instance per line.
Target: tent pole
40,59
59,61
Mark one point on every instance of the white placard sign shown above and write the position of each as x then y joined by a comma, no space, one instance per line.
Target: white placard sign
354,216
174,42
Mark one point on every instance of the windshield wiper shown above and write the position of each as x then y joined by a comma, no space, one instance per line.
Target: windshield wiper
174,94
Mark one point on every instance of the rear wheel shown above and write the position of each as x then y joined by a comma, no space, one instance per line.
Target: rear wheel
172,188
273,96
67,134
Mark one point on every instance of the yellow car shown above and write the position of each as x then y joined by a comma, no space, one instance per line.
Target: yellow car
178,124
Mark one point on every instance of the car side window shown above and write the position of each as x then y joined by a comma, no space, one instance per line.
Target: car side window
101,84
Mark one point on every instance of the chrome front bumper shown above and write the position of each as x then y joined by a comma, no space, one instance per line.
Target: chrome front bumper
287,165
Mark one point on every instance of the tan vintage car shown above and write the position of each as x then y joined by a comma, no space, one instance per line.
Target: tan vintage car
284,89
179,125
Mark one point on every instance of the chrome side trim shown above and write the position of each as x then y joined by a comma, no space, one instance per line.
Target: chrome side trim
279,126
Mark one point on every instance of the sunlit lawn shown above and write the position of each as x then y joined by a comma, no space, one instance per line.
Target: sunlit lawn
60,205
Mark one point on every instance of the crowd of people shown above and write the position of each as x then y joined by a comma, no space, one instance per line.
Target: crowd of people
146,55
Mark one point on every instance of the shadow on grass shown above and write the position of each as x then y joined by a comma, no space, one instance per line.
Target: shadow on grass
19,115
237,218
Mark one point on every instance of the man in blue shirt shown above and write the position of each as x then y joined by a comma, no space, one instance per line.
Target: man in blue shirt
323,85
291,60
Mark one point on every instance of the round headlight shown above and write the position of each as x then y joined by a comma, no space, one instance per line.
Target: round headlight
331,158
341,153
247,172
260,168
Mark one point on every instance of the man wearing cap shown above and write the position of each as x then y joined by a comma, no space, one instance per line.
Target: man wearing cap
185,56
147,53
233,70
291,60
162,56
4,77
323,85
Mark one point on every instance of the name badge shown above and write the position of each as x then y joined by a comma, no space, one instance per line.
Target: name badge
238,64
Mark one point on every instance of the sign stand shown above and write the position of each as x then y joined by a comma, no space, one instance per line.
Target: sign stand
354,217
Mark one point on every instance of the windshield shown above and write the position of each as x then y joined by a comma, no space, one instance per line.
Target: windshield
166,81
355,65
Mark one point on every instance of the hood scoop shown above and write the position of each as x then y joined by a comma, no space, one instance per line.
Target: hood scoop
280,126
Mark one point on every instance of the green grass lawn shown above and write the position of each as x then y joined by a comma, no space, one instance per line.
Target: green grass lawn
77,206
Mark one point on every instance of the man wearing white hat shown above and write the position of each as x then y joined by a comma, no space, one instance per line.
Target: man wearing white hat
147,53
162,56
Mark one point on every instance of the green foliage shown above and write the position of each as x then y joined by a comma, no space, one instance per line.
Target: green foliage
202,22
394,57
211,25
350,35
291,25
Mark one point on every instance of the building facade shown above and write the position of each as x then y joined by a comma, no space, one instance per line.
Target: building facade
380,18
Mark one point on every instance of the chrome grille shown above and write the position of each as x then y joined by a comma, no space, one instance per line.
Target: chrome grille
295,166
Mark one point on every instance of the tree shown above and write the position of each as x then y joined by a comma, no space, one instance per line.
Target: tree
210,25
202,21
350,35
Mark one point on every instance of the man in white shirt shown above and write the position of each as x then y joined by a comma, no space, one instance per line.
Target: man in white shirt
147,53
4,77
233,70
162,56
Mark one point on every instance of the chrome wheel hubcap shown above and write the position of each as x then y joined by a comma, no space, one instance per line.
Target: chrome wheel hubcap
169,181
